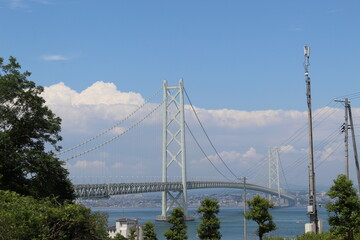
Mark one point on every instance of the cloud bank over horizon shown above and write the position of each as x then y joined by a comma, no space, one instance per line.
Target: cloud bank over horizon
242,138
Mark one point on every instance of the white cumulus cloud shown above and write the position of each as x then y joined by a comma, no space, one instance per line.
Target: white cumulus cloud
100,93
97,104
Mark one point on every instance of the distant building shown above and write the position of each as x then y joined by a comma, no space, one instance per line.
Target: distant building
123,226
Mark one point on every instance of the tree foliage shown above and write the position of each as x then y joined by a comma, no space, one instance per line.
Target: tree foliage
178,229
259,212
318,236
149,231
118,236
344,212
210,224
27,129
23,217
132,235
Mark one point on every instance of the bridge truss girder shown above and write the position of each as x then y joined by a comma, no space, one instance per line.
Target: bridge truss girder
106,190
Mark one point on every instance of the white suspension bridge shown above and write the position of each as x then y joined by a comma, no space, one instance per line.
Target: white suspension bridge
174,193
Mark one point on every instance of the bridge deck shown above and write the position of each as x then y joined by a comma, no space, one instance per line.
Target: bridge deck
106,190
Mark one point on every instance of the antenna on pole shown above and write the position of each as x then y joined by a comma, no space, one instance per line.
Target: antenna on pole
311,209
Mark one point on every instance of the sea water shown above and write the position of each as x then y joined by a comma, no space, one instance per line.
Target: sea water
290,221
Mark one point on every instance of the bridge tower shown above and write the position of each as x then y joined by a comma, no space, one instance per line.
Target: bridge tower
274,176
173,151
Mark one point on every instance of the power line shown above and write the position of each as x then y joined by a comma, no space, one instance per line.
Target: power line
319,117
327,157
350,96
325,114
322,161
301,160
329,140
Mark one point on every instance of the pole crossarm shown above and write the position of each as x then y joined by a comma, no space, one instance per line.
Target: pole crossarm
106,190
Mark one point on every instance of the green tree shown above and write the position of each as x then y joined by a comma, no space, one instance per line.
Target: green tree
344,212
27,129
118,236
23,217
210,225
149,231
259,212
178,229
132,235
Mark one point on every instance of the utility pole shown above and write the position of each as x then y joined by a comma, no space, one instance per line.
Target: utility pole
311,209
354,147
346,128
245,234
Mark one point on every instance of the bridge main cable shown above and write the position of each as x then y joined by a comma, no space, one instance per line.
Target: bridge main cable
111,128
207,136
115,137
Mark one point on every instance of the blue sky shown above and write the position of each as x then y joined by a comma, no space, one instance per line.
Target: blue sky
232,54
244,56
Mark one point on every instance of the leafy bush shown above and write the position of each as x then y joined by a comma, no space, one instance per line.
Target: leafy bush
273,238
27,218
320,236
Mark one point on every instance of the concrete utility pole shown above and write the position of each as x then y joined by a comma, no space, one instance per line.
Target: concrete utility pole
245,233
312,210
354,146
346,128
